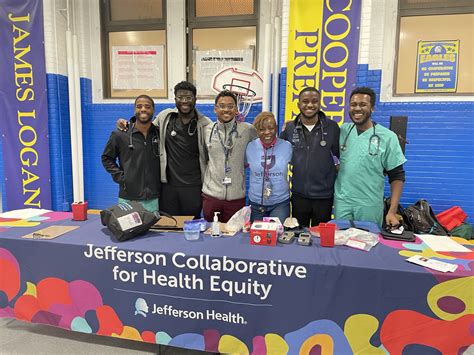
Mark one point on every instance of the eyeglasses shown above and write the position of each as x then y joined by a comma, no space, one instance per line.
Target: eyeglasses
184,98
223,107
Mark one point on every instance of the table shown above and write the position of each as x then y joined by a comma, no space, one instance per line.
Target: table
224,295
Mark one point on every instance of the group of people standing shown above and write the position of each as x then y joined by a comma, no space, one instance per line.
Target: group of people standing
191,165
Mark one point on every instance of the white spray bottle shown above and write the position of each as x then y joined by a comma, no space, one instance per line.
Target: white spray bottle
216,226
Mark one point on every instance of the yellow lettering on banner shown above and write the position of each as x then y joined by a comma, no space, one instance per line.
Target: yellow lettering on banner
19,19
336,45
21,135
20,115
334,75
337,98
347,7
30,177
27,162
21,35
27,135
337,37
304,51
23,69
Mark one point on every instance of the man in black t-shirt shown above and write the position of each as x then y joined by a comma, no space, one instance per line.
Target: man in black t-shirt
182,154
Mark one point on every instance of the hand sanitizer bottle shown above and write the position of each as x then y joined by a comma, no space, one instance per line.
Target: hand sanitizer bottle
216,226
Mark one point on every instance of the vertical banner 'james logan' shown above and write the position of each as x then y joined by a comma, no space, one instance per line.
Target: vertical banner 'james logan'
323,43
24,121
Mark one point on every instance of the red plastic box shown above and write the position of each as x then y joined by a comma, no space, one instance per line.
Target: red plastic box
326,234
452,217
79,211
263,233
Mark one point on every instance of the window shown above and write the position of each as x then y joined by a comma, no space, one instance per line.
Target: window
134,48
435,45
221,33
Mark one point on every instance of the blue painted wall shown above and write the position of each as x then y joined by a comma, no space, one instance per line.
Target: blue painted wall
99,121
59,142
440,154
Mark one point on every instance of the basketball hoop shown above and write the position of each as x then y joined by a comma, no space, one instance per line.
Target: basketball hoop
245,98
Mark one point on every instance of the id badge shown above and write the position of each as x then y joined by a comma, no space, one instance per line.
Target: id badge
226,181
267,188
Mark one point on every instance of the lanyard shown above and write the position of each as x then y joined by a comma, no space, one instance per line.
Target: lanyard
266,172
227,148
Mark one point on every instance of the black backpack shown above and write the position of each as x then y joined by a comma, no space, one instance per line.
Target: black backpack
400,211
128,220
422,219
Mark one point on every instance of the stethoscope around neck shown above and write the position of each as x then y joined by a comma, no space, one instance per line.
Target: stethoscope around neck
374,139
322,142
190,133
154,140
215,130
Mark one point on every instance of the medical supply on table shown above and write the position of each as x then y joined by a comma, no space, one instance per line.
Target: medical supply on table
202,224
192,229
263,233
326,234
216,226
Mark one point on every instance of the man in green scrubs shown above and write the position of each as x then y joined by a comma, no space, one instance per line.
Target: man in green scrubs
368,151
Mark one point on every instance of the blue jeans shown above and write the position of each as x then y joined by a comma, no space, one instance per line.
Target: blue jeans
280,210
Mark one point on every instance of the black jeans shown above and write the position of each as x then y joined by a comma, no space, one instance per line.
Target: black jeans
181,200
311,212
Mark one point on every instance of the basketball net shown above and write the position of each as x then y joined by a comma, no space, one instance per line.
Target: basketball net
245,98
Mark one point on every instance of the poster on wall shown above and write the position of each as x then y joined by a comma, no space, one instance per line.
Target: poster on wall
138,67
437,66
209,62
23,99
323,47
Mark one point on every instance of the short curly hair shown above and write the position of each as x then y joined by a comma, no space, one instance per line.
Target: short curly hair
261,118
225,93
185,85
365,91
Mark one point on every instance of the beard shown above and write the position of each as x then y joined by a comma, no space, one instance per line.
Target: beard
360,122
181,111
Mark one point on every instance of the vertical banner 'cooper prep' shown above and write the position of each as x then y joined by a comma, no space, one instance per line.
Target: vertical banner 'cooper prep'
23,99
323,43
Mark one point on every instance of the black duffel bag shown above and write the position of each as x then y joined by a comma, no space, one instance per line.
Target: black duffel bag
128,220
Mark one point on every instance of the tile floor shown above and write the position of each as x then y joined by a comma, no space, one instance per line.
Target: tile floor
17,337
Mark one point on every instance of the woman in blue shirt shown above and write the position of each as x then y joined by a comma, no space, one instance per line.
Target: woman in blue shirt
268,157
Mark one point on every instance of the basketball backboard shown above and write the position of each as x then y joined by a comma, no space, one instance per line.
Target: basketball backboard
238,79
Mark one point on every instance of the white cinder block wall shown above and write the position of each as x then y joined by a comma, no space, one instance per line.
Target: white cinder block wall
55,26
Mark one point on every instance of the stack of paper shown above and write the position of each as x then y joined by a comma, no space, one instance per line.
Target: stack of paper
432,264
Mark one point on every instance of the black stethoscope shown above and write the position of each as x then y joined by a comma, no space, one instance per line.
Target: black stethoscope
190,133
373,140
154,141
299,127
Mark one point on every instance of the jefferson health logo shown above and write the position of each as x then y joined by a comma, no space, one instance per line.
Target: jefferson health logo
141,307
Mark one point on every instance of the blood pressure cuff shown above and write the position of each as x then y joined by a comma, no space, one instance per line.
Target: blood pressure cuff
128,220
406,236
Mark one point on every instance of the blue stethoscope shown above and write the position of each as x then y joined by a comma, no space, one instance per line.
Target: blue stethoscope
374,141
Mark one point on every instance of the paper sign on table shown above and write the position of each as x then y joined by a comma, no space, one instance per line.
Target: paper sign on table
24,213
442,243
432,264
